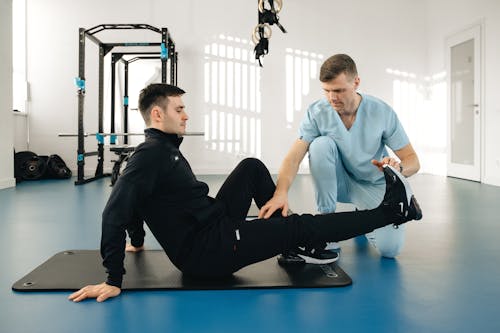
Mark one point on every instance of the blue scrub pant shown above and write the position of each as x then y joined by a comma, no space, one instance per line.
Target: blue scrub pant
333,184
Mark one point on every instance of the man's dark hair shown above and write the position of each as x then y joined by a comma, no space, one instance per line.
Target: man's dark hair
336,65
156,94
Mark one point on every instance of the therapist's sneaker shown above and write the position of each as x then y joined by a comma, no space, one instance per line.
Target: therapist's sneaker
301,255
332,246
399,201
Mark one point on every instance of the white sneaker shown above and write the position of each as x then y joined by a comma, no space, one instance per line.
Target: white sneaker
332,246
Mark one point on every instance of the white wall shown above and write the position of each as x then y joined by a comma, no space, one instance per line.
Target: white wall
6,133
378,37
20,128
447,17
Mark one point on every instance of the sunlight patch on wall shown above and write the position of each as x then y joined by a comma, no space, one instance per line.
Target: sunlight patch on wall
420,103
301,68
233,97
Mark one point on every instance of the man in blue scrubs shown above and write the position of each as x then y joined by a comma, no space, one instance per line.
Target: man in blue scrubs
346,134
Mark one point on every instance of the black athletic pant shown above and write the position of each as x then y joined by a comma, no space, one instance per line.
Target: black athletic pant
235,243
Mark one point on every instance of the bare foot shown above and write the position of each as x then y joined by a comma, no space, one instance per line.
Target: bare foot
131,248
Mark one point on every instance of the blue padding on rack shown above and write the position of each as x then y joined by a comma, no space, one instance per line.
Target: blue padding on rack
80,83
164,53
125,100
112,139
100,138
79,157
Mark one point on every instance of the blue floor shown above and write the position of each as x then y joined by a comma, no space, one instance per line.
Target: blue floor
446,279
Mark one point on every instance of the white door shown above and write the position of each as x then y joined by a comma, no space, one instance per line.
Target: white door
464,107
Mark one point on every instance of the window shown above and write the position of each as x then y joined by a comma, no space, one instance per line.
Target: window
20,86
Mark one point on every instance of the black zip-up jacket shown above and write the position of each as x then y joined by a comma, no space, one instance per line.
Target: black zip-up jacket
159,187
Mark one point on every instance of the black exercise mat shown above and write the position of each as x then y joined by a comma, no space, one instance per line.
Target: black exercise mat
151,269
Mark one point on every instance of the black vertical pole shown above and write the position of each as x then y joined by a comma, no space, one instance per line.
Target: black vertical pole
100,144
113,82
175,66
164,57
81,98
171,53
125,104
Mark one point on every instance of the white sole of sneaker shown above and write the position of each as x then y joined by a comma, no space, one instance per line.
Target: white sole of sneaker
310,260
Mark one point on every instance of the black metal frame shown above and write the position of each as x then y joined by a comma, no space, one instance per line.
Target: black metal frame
167,54
120,57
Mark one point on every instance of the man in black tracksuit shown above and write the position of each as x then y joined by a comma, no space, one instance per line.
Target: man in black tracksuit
209,237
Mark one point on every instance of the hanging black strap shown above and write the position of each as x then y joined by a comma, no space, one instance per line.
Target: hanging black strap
267,17
270,16
262,47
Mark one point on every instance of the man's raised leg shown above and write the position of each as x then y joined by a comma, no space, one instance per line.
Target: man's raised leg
278,235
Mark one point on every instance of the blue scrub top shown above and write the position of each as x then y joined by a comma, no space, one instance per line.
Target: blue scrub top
376,125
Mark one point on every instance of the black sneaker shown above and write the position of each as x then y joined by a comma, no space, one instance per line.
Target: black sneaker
290,258
399,198
301,255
